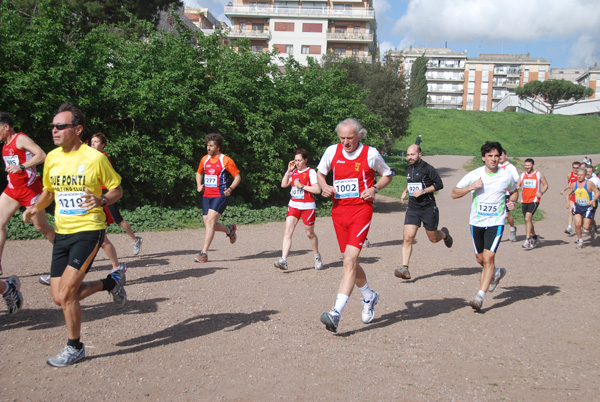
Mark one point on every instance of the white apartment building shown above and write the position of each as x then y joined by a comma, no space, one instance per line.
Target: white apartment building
306,28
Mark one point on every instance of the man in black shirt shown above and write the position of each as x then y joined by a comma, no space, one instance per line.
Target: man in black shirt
423,181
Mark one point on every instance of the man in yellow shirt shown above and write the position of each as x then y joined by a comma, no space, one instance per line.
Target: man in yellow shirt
73,177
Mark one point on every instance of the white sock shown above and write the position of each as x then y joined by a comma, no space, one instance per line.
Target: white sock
481,293
340,302
367,293
318,255
284,258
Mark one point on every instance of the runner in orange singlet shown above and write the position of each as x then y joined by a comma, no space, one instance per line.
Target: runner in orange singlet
534,185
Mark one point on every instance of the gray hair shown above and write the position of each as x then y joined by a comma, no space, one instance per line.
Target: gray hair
582,169
360,131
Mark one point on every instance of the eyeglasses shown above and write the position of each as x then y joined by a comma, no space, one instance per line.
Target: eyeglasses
60,126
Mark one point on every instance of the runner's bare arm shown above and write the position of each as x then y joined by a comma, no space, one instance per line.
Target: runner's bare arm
285,180
199,185
26,143
544,185
44,200
326,190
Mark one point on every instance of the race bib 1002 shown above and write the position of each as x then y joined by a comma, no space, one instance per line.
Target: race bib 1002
68,203
347,188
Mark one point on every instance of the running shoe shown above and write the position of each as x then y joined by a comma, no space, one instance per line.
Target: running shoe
569,230
281,264
12,296
137,246
202,257
331,320
368,312
366,243
534,241
318,262
402,272
579,244
476,302
69,355
232,233
593,234
118,292
45,280
122,267
498,274
527,244
513,234
448,240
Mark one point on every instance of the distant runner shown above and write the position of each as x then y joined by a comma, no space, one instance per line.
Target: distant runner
534,185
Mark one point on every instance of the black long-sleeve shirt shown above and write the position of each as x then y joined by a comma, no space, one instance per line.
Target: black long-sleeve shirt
420,176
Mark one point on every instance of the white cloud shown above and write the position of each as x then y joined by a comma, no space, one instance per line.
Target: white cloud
585,52
381,6
437,21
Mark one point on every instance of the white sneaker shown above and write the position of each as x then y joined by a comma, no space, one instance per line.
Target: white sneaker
498,274
318,262
137,246
368,312
45,280
281,264
513,234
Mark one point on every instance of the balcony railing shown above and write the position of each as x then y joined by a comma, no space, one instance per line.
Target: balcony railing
350,36
270,11
248,33
458,77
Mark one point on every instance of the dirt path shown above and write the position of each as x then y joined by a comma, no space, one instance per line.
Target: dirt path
238,329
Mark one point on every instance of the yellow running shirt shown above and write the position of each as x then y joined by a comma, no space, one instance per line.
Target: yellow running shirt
67,175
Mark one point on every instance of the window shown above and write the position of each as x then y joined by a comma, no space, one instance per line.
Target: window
308,27
305,49
355,51
242,26
284,26
356,30
339,50
315,49
257,48
289,49
339,29
258,27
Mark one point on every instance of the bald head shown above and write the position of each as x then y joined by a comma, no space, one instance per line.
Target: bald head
413,154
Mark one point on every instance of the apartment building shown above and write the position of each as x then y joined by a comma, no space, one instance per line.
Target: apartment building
202,18
591,79
445,74
491,77
306,28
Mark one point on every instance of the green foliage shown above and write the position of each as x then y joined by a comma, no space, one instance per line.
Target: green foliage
385,93
417,92
553,91
156,95
148,218
461,132
398,183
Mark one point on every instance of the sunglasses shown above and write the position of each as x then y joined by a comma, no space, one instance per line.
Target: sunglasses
60,126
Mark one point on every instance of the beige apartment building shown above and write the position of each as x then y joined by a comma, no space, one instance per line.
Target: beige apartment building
306,28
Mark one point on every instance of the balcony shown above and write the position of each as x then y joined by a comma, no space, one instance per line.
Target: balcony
349,36
454,78
248,33
444,90
444,104
305,12
445,66
365,59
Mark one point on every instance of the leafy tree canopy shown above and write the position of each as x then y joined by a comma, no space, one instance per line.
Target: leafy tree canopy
553,91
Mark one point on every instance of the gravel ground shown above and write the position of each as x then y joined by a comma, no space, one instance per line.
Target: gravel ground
236,328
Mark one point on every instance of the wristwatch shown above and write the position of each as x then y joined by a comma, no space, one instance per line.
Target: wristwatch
103,198
22,167
376,189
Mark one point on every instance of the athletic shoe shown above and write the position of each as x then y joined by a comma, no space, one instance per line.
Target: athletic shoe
533,241
448,240
281,264
368,312
45,280
527,244
122,267
476,302
202,257
232,233
366,243
513,234
579,244
569,230
331,320
13,297
498,274
402,272
137,246
69,355
593,234
318,262
118,292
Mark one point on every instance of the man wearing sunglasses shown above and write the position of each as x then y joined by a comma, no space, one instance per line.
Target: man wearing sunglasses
21,156
73,177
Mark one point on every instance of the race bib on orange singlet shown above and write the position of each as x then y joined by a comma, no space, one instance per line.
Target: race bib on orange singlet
529,183
211,180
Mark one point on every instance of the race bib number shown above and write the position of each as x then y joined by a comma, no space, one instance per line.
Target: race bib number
412,187
529,183
581,201
488,209
211,180
69,203
297,193
347,188
11,160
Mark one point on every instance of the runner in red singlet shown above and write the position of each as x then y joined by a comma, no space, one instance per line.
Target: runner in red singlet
353,190
21,156
534,185
571,178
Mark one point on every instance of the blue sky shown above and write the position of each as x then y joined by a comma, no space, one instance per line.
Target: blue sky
564,32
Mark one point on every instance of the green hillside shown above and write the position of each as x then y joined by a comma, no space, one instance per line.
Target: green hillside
460,132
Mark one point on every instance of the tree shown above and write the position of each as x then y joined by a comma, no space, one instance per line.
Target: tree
385,92
552,92
417,91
